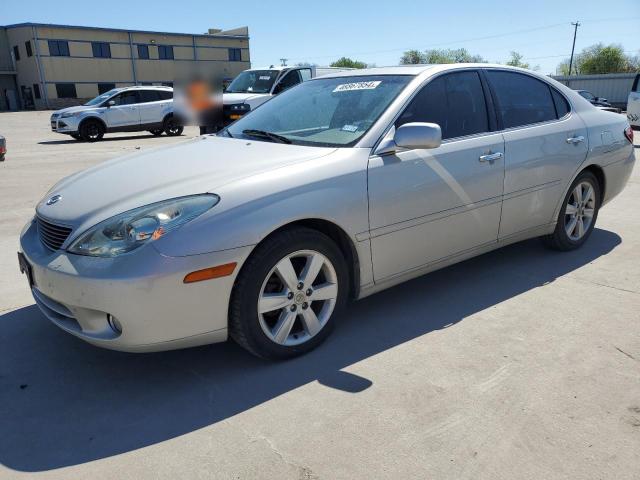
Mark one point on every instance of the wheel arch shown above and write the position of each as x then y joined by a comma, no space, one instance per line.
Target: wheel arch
339,236
91,118
597,171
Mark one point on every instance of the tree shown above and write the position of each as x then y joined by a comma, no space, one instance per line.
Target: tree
345,62
459,55
516,60
412,57
601,58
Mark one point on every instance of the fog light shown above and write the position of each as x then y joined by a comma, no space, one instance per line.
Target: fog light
114,324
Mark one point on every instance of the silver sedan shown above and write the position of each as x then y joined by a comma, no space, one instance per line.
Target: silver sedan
336,189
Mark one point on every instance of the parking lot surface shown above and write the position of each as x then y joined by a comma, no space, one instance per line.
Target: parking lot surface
523,363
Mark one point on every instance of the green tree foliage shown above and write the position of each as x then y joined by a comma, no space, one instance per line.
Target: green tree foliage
515,60
600,58
345,62
458,55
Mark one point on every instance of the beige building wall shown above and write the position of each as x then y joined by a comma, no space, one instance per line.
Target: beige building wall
209,53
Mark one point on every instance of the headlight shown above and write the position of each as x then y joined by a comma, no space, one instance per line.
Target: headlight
70,114
241,107
130,230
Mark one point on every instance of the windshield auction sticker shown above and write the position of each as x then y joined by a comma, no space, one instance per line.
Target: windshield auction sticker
347,87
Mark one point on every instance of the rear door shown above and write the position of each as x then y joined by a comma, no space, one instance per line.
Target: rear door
427,205
151,107
125,112
544,145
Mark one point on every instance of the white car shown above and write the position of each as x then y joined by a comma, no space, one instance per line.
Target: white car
633,104
255,86
127,109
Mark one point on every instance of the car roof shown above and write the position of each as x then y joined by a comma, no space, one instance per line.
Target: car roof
415,70
143,87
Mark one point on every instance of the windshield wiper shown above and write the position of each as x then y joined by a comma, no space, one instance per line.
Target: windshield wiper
263,134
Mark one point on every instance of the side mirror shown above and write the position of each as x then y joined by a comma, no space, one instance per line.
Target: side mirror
412,136
111,103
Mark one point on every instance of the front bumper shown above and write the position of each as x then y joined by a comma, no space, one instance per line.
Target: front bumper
143,291
65,125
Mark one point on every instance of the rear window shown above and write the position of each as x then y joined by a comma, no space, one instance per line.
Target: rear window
521,99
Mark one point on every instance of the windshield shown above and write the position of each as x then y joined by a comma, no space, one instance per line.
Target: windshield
333,112
100,98
253,81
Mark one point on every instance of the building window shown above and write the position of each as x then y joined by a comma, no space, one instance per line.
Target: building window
66,90
165,52
36,91
101,49
143,52
58,48
27,45
16,52
105,87
235,55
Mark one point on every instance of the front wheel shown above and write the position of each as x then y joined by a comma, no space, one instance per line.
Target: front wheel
288,294
578,214
91,131
172,127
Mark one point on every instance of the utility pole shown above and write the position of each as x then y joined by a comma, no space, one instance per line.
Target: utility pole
575,32
283,61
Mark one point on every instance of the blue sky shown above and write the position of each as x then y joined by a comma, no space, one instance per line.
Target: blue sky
375,32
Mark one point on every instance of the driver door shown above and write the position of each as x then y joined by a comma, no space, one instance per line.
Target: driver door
431,204
125,112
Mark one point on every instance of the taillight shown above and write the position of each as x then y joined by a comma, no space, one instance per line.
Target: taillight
628,132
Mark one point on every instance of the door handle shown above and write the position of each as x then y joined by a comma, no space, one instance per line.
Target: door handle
575,140
490,157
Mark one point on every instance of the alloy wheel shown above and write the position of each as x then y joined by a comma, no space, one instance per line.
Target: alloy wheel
297,297
579,211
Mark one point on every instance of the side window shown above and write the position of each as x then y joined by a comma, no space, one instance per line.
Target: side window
290,79
305,73
126,98
165,95
521,99
636,84
455,101
561,104
147,96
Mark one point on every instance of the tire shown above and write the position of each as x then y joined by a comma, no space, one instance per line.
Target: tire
172,128
76,136
567,234
309,321
156,132
91,130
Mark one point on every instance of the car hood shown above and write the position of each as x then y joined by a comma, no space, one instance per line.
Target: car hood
199,166
78,108
232,98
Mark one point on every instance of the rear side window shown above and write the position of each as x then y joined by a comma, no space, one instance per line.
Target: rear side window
636,84
561,104
521,99
165,95
454,101
147,96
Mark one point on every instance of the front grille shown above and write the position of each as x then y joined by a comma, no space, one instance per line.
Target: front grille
52,235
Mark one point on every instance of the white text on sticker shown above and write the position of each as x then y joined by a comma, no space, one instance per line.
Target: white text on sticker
347,87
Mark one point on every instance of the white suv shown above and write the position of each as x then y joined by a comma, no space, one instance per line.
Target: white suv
633,104
127,109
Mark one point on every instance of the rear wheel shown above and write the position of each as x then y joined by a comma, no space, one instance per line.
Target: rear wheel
156,131
172,127
288,294
91,130
578,214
